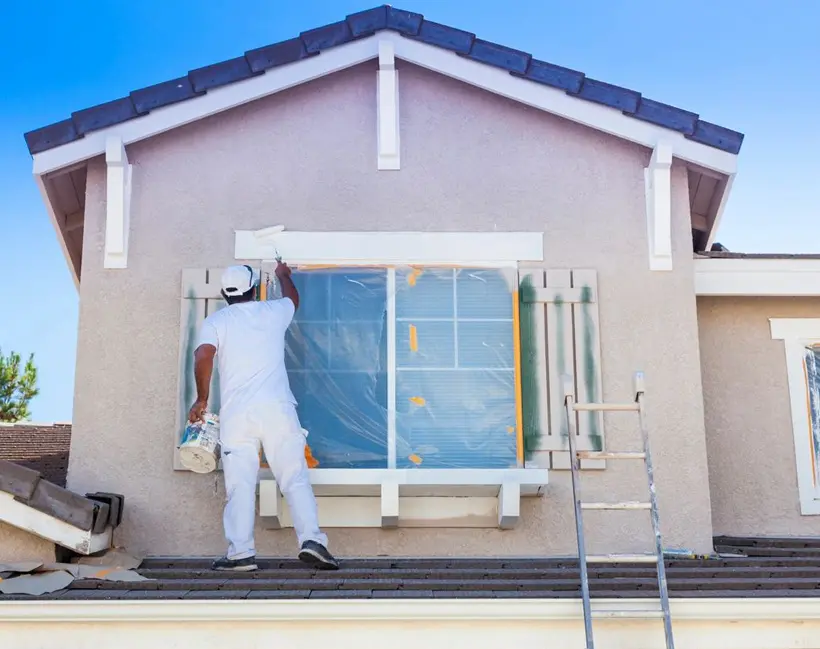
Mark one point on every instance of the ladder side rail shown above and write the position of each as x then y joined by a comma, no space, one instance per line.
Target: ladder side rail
569,400
653,499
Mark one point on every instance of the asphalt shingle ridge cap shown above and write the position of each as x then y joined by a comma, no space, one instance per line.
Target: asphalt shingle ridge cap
361,25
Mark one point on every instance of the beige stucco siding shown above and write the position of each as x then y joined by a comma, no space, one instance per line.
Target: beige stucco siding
307,158
749,435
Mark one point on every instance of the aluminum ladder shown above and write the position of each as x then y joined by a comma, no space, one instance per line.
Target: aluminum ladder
571,407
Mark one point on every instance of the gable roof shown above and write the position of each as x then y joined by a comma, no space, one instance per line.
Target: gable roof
366,23
41,447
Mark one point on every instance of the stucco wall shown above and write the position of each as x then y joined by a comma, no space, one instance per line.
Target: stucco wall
307,158
17,545
749,437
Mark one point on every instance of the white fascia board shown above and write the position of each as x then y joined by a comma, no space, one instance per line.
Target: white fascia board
551,100
757,277
558,102
798,609
358,248
212,102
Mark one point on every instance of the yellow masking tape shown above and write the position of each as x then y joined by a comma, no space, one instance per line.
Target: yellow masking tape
415,459
419,401
414,339
411,278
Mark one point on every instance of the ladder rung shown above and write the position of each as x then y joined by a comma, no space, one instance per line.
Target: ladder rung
611,455
622,558
614,407
623,505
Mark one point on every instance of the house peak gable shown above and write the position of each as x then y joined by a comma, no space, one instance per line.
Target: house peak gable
414,26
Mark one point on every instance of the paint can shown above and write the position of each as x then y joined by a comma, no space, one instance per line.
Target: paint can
199,450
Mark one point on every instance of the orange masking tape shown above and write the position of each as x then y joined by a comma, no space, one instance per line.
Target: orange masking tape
519,410
414,339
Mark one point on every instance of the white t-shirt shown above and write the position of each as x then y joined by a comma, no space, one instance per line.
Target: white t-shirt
250,349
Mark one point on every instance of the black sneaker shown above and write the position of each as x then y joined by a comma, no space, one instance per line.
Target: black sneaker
248,564
316,555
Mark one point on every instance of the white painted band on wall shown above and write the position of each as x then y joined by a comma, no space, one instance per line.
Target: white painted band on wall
357,248
757,277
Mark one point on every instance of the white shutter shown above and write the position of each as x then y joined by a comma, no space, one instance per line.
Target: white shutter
560,335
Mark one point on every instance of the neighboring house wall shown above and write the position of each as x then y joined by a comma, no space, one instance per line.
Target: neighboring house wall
470,161
749,436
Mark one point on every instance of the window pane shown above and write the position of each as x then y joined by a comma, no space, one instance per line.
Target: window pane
463,419
455,393
426,293
485,344
336,356
483,294
425,344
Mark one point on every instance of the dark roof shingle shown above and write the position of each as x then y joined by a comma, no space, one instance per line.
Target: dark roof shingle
43,448
762,568
362,24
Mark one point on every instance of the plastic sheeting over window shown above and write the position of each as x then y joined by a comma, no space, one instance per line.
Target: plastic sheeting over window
415,364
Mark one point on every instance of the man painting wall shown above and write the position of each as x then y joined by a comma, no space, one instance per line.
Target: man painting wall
258,407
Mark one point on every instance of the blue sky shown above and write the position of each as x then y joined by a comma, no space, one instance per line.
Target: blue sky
745,65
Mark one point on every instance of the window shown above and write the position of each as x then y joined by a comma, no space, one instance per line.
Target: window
801,338
405,367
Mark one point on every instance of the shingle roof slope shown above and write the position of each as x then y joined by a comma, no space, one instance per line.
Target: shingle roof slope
365,23
43,448
762,567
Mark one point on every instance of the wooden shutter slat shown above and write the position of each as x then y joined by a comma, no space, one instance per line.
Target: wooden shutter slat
560,360
588,365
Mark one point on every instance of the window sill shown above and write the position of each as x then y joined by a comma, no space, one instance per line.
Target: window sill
390,498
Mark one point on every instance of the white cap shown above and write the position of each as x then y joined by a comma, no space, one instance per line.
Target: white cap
237,280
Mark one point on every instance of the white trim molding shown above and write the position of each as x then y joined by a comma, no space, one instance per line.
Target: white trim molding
757,277
389,498
387,109
698,623
118,203
361,248
797,334
658,188
551,100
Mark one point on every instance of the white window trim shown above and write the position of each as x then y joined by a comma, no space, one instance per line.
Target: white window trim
797,334
354,490
390,248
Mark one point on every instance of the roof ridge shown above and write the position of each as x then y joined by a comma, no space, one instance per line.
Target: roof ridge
361,25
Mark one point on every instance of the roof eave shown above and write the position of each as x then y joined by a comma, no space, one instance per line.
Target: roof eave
493,79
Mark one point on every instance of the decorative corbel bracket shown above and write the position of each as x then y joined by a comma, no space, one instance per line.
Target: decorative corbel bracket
118,203
387,108
658,186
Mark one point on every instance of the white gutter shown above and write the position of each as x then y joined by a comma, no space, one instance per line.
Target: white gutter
539,610
794,277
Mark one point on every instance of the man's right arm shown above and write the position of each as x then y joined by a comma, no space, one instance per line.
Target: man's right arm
288,287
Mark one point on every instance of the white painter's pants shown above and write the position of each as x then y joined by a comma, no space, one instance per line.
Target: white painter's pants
276,426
